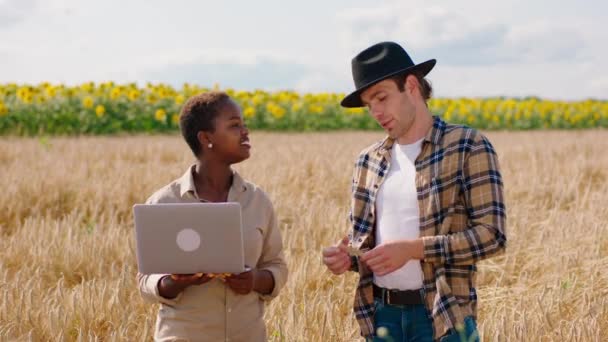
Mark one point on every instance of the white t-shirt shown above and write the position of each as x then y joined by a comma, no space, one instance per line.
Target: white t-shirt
397,214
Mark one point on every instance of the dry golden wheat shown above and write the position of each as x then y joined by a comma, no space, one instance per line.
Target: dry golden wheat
67,266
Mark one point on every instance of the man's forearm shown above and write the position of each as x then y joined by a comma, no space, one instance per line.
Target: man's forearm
412,249
417,249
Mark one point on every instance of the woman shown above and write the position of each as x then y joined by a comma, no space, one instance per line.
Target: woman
202,307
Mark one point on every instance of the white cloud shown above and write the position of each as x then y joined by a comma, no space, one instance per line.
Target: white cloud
482,48
324,80
273,74
554,81
460,37
14,11
544,42
487,51
418,27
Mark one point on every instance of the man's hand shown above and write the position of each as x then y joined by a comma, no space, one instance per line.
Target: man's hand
390,256
336,258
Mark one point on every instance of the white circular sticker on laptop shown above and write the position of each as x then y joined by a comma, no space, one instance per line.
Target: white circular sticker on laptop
188,240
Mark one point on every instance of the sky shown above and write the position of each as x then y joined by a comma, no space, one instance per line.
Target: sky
551,49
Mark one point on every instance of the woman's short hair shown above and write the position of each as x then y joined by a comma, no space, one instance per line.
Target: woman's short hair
198,114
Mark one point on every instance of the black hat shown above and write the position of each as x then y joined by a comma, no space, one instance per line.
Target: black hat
378,62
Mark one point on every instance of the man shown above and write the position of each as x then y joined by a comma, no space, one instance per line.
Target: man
427,205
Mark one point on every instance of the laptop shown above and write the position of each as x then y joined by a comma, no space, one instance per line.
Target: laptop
187,238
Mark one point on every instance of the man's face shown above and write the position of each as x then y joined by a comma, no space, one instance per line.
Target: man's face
391,108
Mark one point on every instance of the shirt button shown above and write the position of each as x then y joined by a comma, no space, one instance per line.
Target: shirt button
229,310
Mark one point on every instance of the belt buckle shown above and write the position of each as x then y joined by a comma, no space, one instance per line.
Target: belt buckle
387,296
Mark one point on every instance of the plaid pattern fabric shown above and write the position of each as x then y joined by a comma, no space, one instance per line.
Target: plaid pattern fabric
462,219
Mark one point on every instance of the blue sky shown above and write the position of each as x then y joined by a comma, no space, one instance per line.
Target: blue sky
551,49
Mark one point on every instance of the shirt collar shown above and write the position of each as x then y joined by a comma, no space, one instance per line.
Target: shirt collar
436,132
433,136
186,182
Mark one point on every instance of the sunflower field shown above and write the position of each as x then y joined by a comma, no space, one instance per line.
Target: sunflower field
109,108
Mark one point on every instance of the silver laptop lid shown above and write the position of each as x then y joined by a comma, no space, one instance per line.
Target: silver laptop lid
185,238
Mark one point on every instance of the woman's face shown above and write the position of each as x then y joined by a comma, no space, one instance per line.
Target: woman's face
231,137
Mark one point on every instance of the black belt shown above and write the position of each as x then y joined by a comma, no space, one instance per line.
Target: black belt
398,297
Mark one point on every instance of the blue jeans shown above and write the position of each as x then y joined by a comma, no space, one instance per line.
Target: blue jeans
411,323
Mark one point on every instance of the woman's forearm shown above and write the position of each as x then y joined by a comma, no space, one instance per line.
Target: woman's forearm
168,288
264,282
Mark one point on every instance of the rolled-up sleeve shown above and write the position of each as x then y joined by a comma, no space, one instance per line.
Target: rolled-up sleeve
272,258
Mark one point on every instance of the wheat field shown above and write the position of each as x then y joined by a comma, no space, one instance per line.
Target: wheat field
67,262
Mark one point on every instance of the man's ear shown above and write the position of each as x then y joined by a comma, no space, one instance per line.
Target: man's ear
411,84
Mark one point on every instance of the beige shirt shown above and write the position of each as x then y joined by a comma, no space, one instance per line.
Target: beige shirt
212,311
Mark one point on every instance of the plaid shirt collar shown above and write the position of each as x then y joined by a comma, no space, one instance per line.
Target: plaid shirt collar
433,136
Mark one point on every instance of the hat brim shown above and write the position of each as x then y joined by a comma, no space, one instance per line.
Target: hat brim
353,100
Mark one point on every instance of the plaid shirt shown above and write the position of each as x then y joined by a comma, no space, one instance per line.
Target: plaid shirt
462,219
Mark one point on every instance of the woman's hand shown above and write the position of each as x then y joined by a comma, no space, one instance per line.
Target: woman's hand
242,283
191,279
260,281
170,286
